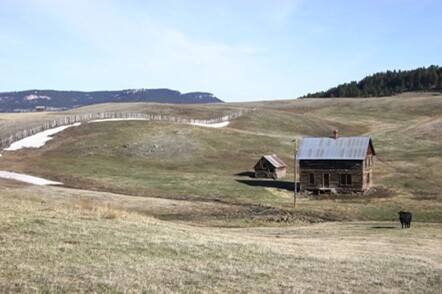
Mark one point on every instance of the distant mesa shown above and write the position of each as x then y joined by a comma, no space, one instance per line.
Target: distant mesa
30,100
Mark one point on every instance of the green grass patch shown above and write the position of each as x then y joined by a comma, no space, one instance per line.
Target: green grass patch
173,161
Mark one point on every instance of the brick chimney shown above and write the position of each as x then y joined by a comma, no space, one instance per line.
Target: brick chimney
335,134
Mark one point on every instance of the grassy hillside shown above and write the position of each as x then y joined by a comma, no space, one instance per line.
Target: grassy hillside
121,223
13,122
181,162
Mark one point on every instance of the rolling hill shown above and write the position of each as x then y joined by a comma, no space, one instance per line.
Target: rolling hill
151,206
177,162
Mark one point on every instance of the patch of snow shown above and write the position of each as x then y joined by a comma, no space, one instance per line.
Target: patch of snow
27,179
38,140
134,91
114,119
217,125
35,97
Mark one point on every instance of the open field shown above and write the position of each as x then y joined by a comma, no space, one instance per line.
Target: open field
51,243
164,207
181,162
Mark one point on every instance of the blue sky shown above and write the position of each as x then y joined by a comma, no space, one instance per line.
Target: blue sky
243,50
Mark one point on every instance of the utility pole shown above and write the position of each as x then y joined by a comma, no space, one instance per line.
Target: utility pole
295,190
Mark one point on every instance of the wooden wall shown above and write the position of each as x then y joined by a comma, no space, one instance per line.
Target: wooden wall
355,168
264,169
274,173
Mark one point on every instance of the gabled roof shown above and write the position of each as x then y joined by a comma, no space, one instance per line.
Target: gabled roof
341,148
274,160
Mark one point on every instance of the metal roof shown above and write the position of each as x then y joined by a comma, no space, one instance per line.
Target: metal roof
341,148
275,160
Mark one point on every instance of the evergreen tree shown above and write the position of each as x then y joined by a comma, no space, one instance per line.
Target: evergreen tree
432,77
389,83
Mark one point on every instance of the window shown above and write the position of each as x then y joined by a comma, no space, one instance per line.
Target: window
311,179
368,178
345,180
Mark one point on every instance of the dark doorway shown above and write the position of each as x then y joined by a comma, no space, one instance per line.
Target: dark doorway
326,180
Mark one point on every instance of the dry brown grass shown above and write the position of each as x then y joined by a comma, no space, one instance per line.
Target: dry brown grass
65,245
105,210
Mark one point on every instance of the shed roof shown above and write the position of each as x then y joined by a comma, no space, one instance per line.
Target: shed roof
274,160
341,148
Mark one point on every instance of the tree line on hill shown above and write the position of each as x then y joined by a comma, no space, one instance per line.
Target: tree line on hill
22,101
388,83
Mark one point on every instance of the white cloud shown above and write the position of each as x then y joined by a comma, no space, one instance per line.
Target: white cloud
132,49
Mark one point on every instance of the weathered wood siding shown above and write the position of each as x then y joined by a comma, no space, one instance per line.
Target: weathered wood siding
265,169
280,172
368,171
358,169
277,174
270,172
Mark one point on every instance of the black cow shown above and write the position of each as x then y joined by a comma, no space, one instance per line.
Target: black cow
405,218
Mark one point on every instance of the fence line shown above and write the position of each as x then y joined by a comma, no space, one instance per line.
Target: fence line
6,141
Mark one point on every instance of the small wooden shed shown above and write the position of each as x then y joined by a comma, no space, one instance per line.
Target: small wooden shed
341,164
270,166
